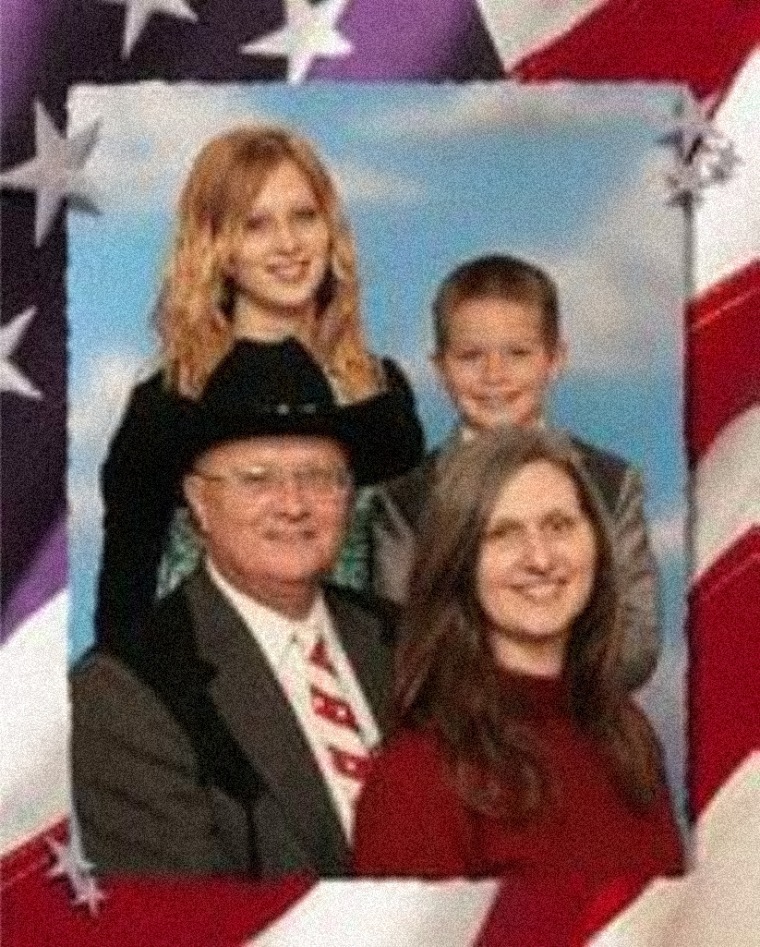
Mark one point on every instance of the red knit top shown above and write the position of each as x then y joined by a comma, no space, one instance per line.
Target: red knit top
411,821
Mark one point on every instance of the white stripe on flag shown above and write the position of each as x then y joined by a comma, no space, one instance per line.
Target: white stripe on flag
401,913
646,922
717,903
728,219
34,726
731,822
726,491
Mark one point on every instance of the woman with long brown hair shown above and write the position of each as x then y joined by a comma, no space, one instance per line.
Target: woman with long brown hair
262,256
515,746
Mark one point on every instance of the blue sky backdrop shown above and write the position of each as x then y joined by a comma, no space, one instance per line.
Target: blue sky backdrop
572,178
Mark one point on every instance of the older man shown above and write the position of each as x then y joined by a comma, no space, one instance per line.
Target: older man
233,733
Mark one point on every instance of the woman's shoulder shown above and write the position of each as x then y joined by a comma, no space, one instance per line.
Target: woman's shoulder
153,408
151,430
395,377
152,390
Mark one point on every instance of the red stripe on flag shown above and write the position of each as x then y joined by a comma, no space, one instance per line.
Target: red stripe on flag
606,905
724,646
702,43
723,353
555,911
32,856
535,910
137,911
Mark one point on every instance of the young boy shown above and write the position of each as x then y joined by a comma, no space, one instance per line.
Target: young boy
498,352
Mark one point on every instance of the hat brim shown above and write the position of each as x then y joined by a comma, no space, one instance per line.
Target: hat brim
382,437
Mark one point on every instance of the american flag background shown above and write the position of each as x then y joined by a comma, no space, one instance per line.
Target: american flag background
708,47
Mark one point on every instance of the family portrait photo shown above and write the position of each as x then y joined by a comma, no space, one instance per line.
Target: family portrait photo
434,270
379,492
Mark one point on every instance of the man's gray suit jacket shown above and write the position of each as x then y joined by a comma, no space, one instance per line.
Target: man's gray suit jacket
186,755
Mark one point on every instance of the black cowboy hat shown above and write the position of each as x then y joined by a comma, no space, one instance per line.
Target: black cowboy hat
267,389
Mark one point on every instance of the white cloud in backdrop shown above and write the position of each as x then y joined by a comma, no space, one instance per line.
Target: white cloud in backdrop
150,133
500,107
621,281
667,533
100,393
360,183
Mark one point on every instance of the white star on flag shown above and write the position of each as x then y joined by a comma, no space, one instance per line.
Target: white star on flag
686,183
718,161
309,32
690,126
703,157
140,11
11,378
71,864
56,171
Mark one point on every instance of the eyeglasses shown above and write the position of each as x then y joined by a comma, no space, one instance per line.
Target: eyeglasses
265,483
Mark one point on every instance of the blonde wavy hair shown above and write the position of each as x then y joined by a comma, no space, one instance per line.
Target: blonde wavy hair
193,315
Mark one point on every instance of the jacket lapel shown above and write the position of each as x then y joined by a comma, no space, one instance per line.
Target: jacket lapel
252,704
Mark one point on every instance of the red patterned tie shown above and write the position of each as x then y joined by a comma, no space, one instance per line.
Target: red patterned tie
336,721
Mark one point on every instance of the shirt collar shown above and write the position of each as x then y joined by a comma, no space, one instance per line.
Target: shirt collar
464,434
273,631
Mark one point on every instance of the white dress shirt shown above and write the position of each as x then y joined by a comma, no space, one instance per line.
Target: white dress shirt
285,642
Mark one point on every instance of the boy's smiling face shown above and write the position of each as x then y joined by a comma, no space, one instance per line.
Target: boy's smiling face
496,364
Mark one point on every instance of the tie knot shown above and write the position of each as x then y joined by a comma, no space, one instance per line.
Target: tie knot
305,634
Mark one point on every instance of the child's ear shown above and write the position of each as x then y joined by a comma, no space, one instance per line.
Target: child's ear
559,359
